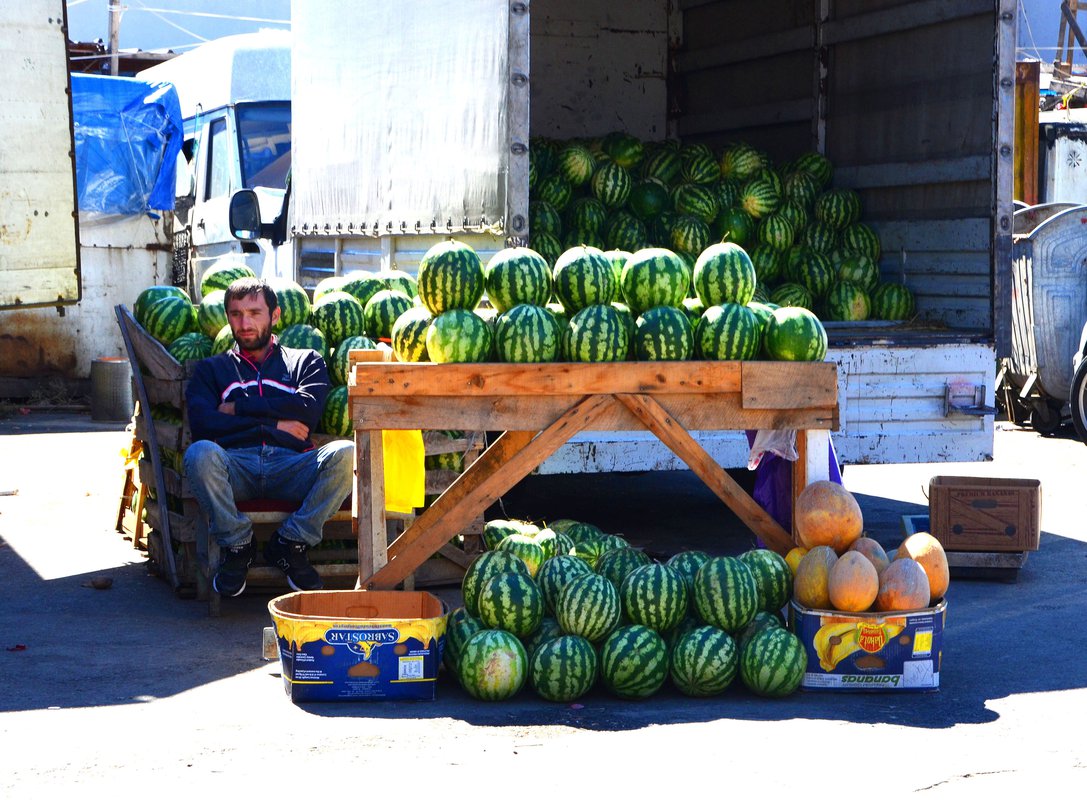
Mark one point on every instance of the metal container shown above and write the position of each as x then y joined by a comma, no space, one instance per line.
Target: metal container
111,389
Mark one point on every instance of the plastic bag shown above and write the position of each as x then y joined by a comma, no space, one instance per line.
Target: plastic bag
405,476
781,443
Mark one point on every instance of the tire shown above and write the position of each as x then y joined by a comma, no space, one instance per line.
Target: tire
1045,418
1077,399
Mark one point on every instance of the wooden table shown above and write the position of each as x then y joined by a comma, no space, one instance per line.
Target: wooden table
540,406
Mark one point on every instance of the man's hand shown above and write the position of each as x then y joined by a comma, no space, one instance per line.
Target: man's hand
226,408
299,430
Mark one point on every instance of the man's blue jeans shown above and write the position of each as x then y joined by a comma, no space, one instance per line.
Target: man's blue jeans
319,479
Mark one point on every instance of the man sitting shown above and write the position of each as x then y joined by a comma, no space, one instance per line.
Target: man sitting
251,412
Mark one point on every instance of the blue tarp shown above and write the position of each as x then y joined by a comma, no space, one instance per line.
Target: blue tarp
127,136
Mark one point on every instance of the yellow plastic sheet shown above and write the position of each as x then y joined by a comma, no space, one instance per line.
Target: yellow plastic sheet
405,476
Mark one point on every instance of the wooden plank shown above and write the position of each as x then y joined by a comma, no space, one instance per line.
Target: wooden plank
669,431
793,385
149,352
752,48
901,18
368,521
946,170
694,411
513,456
536,380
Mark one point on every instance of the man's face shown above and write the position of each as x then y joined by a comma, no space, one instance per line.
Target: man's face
251,322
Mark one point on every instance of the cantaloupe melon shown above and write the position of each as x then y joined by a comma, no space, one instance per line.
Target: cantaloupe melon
826,513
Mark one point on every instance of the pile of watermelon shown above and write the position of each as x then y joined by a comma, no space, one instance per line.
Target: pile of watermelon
566,606
804,234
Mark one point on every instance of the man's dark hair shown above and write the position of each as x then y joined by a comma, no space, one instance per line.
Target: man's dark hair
243,287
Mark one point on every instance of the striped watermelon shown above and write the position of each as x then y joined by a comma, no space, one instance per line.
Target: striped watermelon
192,346
654,276
408,334
526,334
634,662
338,363
517,275
734,224
740,162
596,333
399,281
586,215
555,573
525,548
495,530
801,188
211,313
611,184
892,301
663,165
795,334
769,263
543,218
493,665
815,164
550,542
563,669
576,164
648,198
846,302
728,332
762,311
795,213
654,595
618,260
579,531
627,317
485,567
330,284
150,295
223,273
336,417
760,197
511,602
814,271
168,317
223,341
625,231
450,277
696,201
583,277
860,239
773,577
590,550
548,629
694,309
547,245
773,663
625,150
304,337
588,606
616,564
382,311
860,270
704,661
663,333
338,316
820,237
544,154
689,234
792,295
776,231
760,622
363,285
458,336
294,304
687,564
556,191
727,193
725,593
700,169
838,208
459,628
724,273
583,238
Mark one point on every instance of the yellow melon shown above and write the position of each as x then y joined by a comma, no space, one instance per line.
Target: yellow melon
903,586
873,551
926,550
792,558
826,513
812,575
853,582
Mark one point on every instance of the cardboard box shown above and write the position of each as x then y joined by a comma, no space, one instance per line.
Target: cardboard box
985,514
359,645
871,651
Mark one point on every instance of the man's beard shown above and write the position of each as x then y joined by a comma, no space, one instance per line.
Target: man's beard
262,340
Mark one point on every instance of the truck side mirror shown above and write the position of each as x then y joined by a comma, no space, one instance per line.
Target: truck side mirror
245,215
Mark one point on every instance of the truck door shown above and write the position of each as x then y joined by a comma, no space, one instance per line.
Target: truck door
217,176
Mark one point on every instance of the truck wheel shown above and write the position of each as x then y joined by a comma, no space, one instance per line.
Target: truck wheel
1077,398
1044,418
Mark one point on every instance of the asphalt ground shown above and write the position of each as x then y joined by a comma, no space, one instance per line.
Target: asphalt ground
133,689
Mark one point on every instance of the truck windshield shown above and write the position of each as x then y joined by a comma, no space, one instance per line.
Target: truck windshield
264,135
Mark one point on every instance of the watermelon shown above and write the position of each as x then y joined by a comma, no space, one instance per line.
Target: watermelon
728,332
511,602
150,295
696,201
330,284
626,232
740,161
192,346
634,662
777,232
548,629
769,263
211,313
735,225
819,236
576,164
495,530
611,184
525,548
700,168
293,302
815,164
689,234
338,316
543,153
663,333
762,311
555,573
648,198
759,197
458,336
618,259
485,567
409,333
838,208
892,301
589,551
846,302
583,277
382,311
543,218
459,628
724,273
795,334
224,341
579,532
663,165
588,606
517,275
556,191
814,272
586,215
304,337
796,214
563,669
583,238
526,334
725,593
549,542
493,665
653,276
773,663
596,333
169,317
625,150
399,281
338,363
611,541
616,564
801,188
694,309
704,661
450,277
760,622
859,239
223,273
860,270
792,294
654,595
773,577
336,417
362,285
687,563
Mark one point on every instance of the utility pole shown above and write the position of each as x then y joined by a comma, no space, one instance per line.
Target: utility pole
114,34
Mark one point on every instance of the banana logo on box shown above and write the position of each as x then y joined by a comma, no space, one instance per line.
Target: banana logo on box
838,640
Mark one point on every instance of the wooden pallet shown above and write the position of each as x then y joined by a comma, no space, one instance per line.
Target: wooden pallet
976,565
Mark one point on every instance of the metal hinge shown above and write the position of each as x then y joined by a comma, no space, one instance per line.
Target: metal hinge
967,399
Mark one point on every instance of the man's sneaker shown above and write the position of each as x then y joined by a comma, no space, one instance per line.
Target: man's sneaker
233,567
290,557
